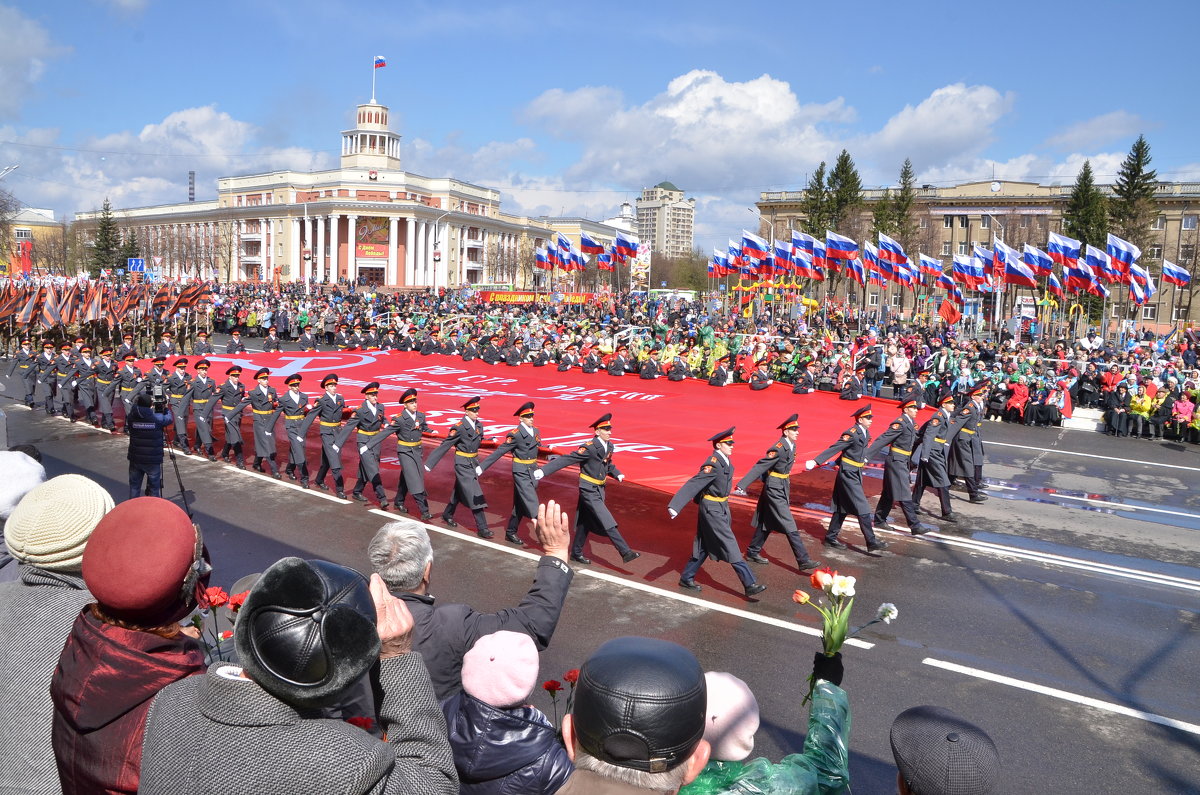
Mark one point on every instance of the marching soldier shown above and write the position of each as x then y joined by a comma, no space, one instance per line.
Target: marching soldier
83,381
901,440
936,437
295,406
709,489
307,341
166,347
449,346
594,458
470,351
966,455
523,442
465,437
77,349
128,378
25,364
408,341
358,338
235,346
62,373
230,395
342,340
569,358
408,426
853,387
106,388
45,368
202,347
679,370
848,495
514,352
371,341
271,342
156,375
329,410
202,397
491,352
544,356
178,385
126,347
774,509
390,341
760,379
367,421
263,401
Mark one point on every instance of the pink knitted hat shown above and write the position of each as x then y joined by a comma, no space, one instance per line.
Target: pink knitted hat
732,717
501,669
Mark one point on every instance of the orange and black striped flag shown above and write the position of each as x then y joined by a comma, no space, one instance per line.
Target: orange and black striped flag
204,295
93,303
50,317
13,298
187,297
161,305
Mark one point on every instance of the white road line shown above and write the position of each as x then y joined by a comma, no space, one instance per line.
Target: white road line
1059,560
1086,701
1092,455
639,586
1108,503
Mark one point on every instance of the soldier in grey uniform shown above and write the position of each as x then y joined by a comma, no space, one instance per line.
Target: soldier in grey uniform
166,347
271,342
491,352
307,341
408,426
329,410
464,438
263,401
594,458
230,396
367,423
126,347
966,455
618,365
128,378
295,407
900,438
774,509
848,496
933,452
523,442
178,385
25,364
63,372
202,347
83,381
709,489
652,367
106,387
202,397
720,375
235,345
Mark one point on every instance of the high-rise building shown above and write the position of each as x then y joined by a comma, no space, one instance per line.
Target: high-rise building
666,220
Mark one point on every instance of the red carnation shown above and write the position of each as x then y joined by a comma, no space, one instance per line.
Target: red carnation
236,601
227,634
216,596
572,676
552,687
364,723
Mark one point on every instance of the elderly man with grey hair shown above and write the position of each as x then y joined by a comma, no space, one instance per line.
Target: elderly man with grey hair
402,556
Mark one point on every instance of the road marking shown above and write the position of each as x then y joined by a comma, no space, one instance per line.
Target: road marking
1092,455
1058,560
1118,505
638,586
1086,701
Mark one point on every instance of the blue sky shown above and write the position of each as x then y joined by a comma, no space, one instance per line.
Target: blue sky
573,108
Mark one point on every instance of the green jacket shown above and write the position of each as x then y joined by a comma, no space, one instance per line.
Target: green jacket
822,767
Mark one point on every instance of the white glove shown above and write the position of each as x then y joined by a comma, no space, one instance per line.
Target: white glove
427,469
739,492
335,448
673,512
362,448
538,474
810,464
620,478
267,433
74,383
478,471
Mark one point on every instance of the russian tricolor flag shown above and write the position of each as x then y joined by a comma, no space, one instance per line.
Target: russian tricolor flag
1097,263
820,261
930,266
1017,272
1121,254
604,262
1063,250
380,62
870,259
840,247
1054,286
890,250
783,256
854,269
1038,260
967,271
626,244
753,246
944,282
589,246
1173,274
541,260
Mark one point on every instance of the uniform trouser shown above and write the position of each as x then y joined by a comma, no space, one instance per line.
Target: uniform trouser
328,464
694,563
522,507
420,498
151,473
975,483
794,541
919,491
48,396
86,399
368,473
587,522
66,400
888,498
204,434
30,388
864,522
459,496
179,409
104,397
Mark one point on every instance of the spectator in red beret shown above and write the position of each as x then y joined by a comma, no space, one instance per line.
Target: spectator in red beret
146,566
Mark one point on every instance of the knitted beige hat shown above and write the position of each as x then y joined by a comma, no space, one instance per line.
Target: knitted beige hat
51,525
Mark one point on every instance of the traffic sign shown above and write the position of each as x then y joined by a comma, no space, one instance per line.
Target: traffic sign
136,264
664,284
120,271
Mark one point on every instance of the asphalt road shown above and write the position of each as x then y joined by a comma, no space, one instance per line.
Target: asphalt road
1061,615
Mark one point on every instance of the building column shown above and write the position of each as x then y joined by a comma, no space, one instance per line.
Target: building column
391,278
334,266
419,256
239,268
311,234
320,261
351,259
409,251
297,253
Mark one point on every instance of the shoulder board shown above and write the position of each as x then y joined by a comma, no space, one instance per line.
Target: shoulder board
895,426
712,459
964,412
779,445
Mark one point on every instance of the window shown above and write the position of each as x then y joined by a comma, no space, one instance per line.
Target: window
963,222
948,221
985,222
1149,312
1024,221
924,222
1186,252
946,248
962,247
1189,222
1181,313
1154,252
1159,224
873,299
23,234
896,300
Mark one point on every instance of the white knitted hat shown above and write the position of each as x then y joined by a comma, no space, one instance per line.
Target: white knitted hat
501,669
51,525
732,717
18,474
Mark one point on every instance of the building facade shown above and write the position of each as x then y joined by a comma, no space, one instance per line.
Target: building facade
666,220
33,242
368,221
951,220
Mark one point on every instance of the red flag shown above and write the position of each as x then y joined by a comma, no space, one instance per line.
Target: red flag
949,312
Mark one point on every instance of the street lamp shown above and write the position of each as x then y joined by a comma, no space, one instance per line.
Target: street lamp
4,172
437,255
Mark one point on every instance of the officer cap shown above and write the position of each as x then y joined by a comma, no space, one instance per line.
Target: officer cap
201,333
166,333
472,404
66,346
790,423
329,379
294,378
106,351
604,423
946,398
235,370
85,347
409,396
308,327
724,436
48,344
371,388
129,357
526,410
909,403
236,333
203,364
865,411
263,372
127,337
158,360
181,362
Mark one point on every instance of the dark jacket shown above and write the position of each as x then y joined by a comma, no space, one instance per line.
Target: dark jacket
443,633
145,429
504,751
106,678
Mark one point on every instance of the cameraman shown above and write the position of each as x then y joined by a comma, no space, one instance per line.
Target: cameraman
148,417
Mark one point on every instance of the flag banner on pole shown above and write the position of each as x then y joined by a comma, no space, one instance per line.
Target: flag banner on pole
1121,255
840,247
949,312
1173,274
870,261
1063,250
930,266
1038,261
380,62
783,256
626,244
820,262
967,271
589,246
890,250
753,246
1054,287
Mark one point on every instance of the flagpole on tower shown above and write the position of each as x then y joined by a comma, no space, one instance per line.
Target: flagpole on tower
373,71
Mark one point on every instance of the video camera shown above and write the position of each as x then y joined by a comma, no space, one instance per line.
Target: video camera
158,398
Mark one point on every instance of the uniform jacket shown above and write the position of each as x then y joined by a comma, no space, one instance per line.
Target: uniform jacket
851,447
234,346
967,449
651,369
709,489
774,469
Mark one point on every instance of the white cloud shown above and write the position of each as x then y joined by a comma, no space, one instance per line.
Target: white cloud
127,6
1115,126
23,56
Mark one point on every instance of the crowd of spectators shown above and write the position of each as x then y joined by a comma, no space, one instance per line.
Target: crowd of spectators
340,682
